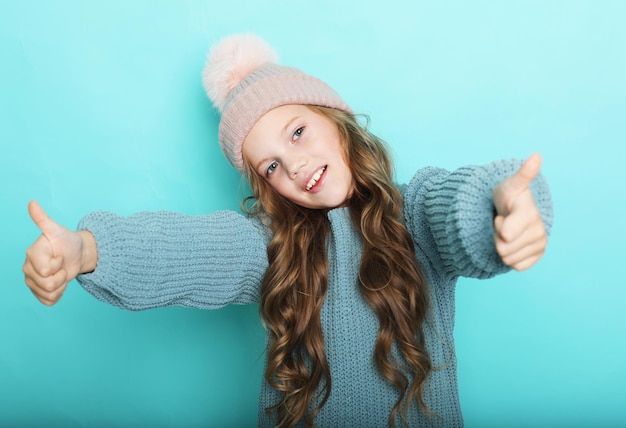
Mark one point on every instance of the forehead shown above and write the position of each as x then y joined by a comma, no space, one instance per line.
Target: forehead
272,125
277,117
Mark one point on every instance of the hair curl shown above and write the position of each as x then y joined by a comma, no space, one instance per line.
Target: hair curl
295,284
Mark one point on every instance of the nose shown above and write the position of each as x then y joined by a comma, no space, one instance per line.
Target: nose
294,166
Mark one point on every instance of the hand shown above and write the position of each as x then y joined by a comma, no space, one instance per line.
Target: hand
520,236
56,257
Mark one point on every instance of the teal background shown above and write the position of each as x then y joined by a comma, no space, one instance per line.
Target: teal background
101,107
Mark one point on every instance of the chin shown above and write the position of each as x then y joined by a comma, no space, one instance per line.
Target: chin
337,202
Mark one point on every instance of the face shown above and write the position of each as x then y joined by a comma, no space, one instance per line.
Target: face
299,153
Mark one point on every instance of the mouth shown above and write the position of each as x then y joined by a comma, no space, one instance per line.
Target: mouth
315,178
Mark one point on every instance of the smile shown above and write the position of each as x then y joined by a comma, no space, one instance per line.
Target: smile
313,181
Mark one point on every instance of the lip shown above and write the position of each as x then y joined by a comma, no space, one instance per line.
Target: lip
317,186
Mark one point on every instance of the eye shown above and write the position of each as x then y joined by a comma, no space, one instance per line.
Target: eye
298,133
271,168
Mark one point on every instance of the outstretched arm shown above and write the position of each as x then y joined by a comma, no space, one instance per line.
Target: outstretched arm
150,259
520,235
56,257
451,217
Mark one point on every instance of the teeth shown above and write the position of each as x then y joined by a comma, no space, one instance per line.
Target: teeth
315,177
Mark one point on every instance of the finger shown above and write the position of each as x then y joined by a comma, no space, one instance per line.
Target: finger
34,287
510,229
536,248
531,246
498,221
535,235
55,265
41,286
518,223
522,214
526,263
524,175
40,256
50,299
45,267
47,226
45,301
512,252
54,296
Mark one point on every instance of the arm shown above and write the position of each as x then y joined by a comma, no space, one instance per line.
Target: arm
151,259
452,216
155,259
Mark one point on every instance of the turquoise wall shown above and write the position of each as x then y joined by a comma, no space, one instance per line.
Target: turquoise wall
101,107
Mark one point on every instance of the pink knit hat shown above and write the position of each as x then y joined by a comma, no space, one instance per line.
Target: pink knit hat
244,81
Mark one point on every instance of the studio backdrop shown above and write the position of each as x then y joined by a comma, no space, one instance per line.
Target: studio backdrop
102,108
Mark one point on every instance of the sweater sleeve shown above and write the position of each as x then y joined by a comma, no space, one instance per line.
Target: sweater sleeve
155,259
450,216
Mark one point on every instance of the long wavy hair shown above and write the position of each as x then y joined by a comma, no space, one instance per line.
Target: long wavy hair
295,284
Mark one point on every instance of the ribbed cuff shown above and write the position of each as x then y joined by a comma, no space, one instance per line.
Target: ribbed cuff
460,209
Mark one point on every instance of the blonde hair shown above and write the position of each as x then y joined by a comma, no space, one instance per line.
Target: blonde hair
295,284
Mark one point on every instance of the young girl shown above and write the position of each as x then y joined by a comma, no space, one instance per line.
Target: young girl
354,274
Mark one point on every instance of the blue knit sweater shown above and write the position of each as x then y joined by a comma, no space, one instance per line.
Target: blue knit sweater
160,259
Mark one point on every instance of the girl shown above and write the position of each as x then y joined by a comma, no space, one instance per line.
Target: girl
355,275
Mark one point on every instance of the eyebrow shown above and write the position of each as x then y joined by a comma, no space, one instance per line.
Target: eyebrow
258,165
289,122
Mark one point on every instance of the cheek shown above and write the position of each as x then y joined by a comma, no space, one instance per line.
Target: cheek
347,172
279,186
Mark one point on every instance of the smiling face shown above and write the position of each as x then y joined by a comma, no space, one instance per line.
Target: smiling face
299,153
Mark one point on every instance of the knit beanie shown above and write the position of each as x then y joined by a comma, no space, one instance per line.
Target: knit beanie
244,81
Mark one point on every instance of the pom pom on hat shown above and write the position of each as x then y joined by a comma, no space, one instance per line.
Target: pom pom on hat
230,61
244,81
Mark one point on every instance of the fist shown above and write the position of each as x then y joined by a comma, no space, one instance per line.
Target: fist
54,259
520,235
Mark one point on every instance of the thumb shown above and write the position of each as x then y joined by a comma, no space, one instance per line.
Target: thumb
524,175
47,226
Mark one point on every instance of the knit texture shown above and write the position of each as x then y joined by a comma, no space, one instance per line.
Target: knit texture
160,259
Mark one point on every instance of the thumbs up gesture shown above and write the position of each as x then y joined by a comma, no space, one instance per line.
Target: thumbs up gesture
56,257
520,235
